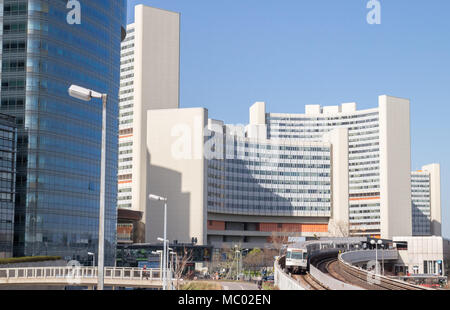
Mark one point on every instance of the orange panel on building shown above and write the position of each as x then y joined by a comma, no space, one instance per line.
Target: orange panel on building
293,227
216,225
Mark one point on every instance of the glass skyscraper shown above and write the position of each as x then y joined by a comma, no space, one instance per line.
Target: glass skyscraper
7,183
59,138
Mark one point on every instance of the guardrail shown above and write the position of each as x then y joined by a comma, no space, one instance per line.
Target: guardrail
284,281
369,255
81,272
81,276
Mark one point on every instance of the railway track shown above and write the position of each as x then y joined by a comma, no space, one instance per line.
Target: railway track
345,273
308,281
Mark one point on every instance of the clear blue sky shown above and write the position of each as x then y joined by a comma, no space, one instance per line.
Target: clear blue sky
289,53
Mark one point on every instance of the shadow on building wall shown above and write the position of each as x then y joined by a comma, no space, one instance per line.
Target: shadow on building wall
167,183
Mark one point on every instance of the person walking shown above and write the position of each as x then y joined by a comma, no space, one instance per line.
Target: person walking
145,273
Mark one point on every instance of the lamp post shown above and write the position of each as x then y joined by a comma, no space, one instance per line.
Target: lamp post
86,95
165,261
93,258
376,243
159,198
159,252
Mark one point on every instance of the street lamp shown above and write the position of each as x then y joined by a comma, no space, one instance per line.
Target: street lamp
376,243
159,198
159,252
93,258
85,94
165,261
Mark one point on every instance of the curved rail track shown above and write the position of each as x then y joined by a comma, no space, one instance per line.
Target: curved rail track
309,282
342,272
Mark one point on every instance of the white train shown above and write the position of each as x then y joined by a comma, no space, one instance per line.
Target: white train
298,255
296,259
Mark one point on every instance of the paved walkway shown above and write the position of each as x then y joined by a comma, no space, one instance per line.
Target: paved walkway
239,286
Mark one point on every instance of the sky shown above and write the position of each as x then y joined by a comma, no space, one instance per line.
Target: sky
290,53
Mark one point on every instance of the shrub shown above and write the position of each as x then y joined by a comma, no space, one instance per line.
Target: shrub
31,259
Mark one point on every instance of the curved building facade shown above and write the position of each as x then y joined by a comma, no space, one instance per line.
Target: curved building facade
271,178
364,153
59,138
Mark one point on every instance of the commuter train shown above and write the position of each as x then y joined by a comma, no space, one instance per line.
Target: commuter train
298,255
297,259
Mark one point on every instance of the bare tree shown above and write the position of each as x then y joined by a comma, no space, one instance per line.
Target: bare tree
225,260
181,264
339,228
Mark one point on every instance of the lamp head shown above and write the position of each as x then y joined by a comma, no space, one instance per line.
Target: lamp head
156,197
82,93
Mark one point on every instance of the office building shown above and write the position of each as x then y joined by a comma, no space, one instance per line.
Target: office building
150,60
8,142
330,171
59,137
426,201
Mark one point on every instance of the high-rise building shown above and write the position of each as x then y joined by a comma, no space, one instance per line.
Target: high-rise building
7,183
379,161
332,170
150,62
426,201
59,137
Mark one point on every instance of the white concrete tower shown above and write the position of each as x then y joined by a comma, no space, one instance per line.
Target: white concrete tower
149,80
395,167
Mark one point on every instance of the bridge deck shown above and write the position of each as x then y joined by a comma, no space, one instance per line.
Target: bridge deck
81,276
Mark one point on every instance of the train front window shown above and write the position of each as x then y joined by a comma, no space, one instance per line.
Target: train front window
296,255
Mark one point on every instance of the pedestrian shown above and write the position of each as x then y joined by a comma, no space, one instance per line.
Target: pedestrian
259,284
145,274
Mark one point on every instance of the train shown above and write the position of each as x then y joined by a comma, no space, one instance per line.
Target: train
299,255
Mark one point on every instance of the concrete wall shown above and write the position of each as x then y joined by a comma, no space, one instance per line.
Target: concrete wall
156,83
177,170
395,167
285,282
422,249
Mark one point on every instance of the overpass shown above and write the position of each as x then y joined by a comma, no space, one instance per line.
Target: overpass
82,276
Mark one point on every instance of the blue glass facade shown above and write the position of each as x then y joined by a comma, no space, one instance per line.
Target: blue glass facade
59,138
7,183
